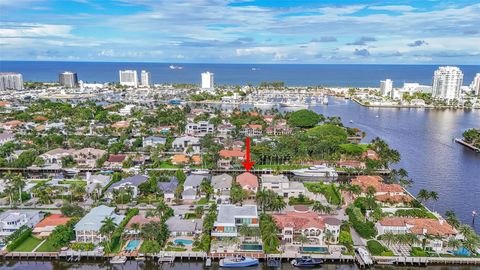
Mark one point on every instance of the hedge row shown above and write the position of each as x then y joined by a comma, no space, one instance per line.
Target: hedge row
377,249
20,239
117,234
364,229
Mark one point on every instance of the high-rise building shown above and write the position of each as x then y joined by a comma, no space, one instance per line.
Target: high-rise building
128,78
11,80
475,86
386,87
447,82
68,79
146,80
207,80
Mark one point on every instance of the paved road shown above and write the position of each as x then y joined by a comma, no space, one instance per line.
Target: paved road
357,240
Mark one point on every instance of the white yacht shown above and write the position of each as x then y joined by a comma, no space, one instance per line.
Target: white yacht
317,171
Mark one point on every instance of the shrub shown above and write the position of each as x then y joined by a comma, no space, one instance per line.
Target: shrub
19,239
417,212
417,252
364,229
117,234
303,119
377,249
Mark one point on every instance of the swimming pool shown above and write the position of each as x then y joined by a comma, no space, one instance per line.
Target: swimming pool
132,245
251,247
184,242
314,249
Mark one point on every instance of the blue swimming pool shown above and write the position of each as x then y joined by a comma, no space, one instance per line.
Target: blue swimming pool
322,250
184,242
132,245
251,247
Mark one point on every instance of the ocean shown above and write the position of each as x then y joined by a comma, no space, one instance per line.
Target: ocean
352,75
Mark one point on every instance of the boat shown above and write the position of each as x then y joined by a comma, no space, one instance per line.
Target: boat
200,171
118,260
263,103
289,103
306,261
175,67
325,100
364,255
175,102
316,171
238,262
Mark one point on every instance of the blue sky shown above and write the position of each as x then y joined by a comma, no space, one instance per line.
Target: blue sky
242,31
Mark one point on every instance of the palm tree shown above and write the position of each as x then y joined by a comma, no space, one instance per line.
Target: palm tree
14,187
454,243
423,195
389,238
108,227
262,199
278,204
135,228
354,190
466,230
329,236
303,240
434,196
206,188
452,219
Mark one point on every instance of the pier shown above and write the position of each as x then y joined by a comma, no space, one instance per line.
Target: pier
464,143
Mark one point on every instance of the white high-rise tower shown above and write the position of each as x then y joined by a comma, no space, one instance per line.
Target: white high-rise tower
207,80
447,82
386,87
68,79
128,78
10,80
145,79
475,86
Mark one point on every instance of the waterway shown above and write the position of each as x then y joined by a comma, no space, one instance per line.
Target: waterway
424,138
134,265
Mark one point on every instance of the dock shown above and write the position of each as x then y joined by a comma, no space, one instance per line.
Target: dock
464,143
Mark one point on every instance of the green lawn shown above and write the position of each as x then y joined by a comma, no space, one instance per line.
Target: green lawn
175,249
202,201
70,182
28,245
47,247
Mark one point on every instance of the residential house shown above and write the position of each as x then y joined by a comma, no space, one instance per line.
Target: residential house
12,220
221,187
386,193
352,164
129,183
182,144
55,156
292,224
277,130
11,125
87,230
177,226
439,229
252,130
201,128
96,180
45,227
282,186
141,220
248,181
115,160
231,217
227,157
153,141
225,130
181,159
192,185
168,189
6,137
370,154
121,125
88,157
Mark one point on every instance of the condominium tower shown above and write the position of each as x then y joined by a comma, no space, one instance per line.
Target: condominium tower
447,82
128,78
10,80
145,79
476,84
207,80
68,79
386,87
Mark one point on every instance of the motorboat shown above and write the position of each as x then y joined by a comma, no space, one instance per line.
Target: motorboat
118,260
316,171
200,171
306,261
238,262
364,255
175,67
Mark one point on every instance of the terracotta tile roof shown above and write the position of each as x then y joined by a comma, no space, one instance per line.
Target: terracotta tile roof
418,225
298,220
179,159
121,124
53,220
40,118
117,158
393,198
141,220
370,154
253,126
4,103
247,179
365,181
13,123
231,153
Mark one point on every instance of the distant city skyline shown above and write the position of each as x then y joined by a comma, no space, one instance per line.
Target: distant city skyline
242,31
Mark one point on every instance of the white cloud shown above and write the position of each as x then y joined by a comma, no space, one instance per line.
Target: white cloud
24,30
393,8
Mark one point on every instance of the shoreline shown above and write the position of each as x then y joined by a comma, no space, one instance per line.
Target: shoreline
411,106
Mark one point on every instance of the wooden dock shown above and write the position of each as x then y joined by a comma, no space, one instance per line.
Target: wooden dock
464,143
